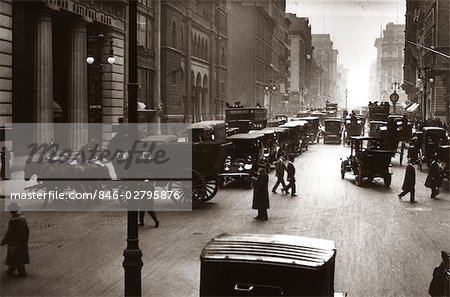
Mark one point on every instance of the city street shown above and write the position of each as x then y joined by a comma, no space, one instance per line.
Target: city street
385,246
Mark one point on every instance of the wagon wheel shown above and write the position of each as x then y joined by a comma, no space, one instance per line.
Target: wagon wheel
194,192
211,186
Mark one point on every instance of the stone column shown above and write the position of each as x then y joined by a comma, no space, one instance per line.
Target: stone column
78,97
43,74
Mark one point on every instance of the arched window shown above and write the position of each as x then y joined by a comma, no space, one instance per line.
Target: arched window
182,39
174,34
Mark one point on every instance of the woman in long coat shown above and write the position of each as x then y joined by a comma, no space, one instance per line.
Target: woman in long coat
16,238
434,179
261,195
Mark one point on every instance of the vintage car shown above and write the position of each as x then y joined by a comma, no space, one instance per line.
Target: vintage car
303,113
245,157
282,139
379,112
443,155
314,131
270,146
299,136
333,130
209,149
331,109
319,115
368,160
274,123
282,118
433,137
268,265
246,119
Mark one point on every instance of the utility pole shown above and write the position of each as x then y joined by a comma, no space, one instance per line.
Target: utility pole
346,93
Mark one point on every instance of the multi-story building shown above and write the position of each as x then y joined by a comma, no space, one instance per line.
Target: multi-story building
258,37
389,64
46,76
316,91
427,24
342,86
326,56
194,59
300,60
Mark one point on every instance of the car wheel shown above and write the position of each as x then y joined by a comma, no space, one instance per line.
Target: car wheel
387,180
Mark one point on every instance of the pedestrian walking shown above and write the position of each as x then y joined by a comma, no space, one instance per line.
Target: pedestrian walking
146,205
439,286
409,182
279,173
151,213
290,169
5,157
434,179
16,239
261,195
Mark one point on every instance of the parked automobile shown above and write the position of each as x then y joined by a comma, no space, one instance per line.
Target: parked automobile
246,119
244,158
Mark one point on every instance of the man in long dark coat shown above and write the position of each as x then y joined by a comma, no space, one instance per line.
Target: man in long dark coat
261,195
434,179
16,238
291,176
5,157
409,182
279,173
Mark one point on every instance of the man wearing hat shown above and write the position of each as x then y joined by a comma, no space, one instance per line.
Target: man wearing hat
16,238
279,173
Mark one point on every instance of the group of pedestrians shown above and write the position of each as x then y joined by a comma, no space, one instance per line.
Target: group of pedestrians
433,181
261,191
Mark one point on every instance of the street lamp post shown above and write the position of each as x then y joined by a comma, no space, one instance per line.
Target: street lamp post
394,97
132,262
269,89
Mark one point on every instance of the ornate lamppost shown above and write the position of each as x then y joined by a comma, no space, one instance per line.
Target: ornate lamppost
132,262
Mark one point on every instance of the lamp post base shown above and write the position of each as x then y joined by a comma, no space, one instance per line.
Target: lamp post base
132,264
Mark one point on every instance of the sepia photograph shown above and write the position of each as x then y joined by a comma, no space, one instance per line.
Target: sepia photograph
182,148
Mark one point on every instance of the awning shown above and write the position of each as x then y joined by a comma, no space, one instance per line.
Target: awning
412,107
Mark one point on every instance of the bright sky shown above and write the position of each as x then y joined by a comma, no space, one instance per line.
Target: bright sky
353,26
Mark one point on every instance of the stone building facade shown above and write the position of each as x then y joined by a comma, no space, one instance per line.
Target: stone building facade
194,59
258,53
326,56
389,63
45,74
300,60
427,24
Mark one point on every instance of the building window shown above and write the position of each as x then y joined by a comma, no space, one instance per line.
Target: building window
145,90
174,78
174,35
142,30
